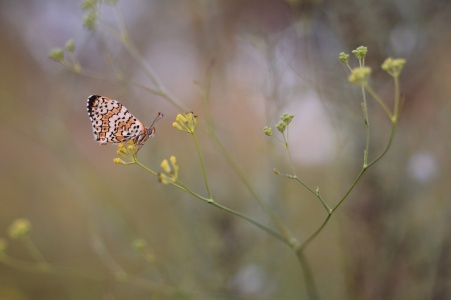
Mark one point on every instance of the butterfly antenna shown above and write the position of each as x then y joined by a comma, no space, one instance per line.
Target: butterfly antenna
160,115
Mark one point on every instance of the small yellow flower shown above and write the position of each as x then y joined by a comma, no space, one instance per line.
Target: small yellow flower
19,228
360,76
165,166
171,171
186,122
393,66
164,179
174,162
121,149
119,161
131,147
126,151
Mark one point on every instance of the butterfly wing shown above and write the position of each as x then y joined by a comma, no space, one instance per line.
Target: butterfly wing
111,121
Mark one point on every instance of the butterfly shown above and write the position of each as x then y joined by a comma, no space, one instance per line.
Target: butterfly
113,123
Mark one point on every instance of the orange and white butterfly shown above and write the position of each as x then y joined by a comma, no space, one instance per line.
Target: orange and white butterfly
113,123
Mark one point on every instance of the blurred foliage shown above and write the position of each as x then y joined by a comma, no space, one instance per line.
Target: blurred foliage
115,232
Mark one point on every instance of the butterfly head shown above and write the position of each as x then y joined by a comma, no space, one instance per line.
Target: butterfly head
148,133
151,129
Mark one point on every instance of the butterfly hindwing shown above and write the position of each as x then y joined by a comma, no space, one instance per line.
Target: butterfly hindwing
111,121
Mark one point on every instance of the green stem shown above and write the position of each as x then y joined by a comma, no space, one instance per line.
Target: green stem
146,168
178,184
331,211
365,167
310,285
389,143
359,176
367,128
285,139
313,236
396,105
294,176
379,101
202,165
209,200
256,223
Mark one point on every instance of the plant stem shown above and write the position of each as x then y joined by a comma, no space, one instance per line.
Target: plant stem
202,165
310,285
396,105
209,200
285,139
367,127
379,101
389,143
256,223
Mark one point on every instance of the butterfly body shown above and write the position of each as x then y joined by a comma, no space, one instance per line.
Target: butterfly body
113,123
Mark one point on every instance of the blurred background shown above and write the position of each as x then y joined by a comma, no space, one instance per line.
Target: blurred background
391,238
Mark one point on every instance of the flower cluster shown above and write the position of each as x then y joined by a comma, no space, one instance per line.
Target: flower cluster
344,57
267,130
281,125
360,76
58,55
186,122
126,151
393,66
360,52
171,171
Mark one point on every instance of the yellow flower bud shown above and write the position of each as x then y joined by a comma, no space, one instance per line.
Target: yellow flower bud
176,125
131,147
118,161
171,171
180,118
165,166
